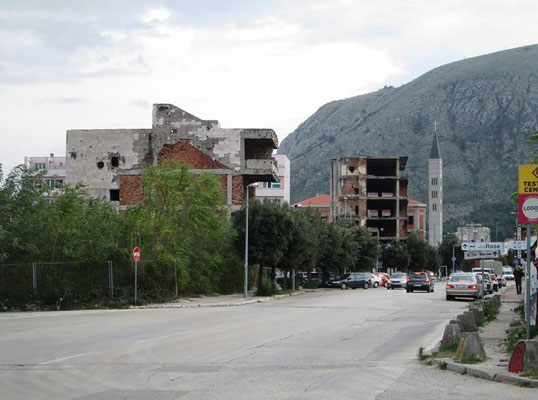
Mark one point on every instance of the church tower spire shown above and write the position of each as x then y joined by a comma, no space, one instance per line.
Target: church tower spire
435,195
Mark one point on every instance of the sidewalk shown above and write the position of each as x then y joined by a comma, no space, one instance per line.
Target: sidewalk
236,299
495,368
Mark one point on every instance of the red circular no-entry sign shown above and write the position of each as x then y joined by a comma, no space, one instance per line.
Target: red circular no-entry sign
136,254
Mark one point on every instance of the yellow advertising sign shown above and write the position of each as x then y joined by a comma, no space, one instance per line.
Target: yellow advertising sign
528,179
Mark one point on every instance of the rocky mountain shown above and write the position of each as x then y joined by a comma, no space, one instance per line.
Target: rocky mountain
484,109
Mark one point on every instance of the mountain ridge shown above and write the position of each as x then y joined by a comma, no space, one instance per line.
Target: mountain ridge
485,107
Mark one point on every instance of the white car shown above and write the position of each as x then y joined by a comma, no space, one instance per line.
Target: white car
375,280
508,273
397,280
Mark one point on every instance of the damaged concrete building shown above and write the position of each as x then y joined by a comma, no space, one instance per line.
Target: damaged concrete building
110,162
372,192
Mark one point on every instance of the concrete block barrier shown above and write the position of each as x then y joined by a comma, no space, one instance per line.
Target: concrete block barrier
470,348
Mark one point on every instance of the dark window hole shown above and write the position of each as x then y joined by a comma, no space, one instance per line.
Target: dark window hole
114,195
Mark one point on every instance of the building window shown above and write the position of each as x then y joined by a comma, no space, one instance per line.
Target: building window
411,220
276,185
434,181
39,166
50,183
434,207
434,194
114,195
272,185
115,161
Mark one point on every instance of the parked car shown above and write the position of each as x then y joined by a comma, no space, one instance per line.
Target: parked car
419,281
496,284
464,285
397,280
302,277
508,273
352,280
384,277
375,280
488,282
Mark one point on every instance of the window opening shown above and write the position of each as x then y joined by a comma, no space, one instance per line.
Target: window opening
115,161
114,195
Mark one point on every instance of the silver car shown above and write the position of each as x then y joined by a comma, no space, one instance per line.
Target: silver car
397,280
464,285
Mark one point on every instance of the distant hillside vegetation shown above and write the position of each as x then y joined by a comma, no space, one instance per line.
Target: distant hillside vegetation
485,107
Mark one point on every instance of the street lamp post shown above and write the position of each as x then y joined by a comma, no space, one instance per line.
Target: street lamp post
454,257
245,289
377,253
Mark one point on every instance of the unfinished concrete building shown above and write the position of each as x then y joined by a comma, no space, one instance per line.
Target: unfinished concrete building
372,192
110,162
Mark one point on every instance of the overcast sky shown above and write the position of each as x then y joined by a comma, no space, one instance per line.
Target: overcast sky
247,63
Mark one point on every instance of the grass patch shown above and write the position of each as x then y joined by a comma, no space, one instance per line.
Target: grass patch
443,365
421,355
518,334
533,374
489,312
464,372
446,351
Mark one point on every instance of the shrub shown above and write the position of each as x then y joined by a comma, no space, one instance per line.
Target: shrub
311,285
518,334
267,289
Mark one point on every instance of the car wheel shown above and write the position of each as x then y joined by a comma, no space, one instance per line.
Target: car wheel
407,290
343,287
365,286
376,284
388,287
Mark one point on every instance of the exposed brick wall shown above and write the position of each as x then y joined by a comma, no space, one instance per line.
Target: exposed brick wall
186,153
130,189
237,190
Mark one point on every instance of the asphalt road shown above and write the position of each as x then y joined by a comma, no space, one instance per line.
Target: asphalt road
354,344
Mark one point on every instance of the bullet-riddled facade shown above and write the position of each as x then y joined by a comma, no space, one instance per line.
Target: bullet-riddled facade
110,162
372,192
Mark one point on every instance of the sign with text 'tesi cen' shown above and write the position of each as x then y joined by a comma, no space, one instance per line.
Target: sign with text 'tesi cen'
528,194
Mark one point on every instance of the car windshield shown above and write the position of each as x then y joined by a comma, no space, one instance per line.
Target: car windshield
461,278
345,276
397,276
507,270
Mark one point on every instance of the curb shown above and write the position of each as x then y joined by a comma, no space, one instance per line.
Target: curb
478,373
239,303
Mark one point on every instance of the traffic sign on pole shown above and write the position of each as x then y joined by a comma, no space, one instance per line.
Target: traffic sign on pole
136,254
482,246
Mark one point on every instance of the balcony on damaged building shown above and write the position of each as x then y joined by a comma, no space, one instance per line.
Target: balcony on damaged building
279,191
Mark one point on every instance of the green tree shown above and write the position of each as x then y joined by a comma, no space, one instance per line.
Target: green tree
433,259
394,255
367,248
181,227
303,244
270,229
416,248
445,251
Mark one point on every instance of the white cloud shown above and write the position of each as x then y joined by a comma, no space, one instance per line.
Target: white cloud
245,65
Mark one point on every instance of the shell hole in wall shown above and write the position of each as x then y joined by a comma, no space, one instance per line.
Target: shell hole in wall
100,165
115,161
351,169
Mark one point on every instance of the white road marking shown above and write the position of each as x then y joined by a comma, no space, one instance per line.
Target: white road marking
64,358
